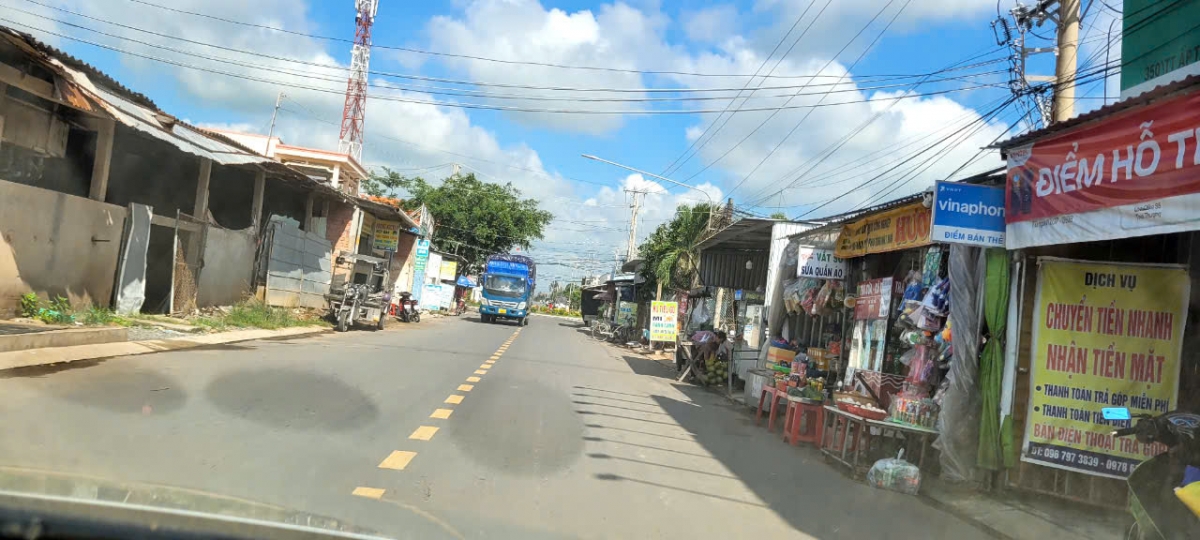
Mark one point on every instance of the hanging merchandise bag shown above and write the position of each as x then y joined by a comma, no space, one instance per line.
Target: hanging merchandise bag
895,474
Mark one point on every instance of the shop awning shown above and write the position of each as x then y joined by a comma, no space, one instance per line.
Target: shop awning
737,257
750,234
464,281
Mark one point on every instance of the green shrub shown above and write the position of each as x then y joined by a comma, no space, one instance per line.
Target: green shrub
99,316
31,305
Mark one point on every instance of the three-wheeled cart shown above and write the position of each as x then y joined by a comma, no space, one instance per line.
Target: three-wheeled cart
364,298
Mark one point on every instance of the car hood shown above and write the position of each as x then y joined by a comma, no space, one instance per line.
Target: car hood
106,507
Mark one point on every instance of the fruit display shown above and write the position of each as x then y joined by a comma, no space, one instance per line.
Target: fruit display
716,371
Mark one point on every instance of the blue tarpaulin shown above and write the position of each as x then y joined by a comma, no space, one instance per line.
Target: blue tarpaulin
464,281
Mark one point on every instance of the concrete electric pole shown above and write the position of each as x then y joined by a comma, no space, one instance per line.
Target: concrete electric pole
1060,104
271,133
1067,62
636,205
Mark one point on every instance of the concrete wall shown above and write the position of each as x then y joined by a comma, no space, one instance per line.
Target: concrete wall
56,244
402,264
228,267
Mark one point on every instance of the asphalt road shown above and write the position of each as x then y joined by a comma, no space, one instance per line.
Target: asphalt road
415,433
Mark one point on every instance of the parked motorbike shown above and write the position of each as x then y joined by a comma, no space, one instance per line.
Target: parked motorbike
1157,511
407,310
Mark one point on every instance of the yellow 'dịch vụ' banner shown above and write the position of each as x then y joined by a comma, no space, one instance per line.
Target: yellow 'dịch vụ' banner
1104,335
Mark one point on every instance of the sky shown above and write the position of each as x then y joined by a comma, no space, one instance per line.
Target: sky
858,101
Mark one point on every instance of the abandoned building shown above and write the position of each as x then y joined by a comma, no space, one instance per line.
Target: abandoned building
109,201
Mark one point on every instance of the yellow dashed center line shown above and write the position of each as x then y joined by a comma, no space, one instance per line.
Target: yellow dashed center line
423,433
370,493
398,460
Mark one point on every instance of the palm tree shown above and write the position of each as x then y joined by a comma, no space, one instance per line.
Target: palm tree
671,251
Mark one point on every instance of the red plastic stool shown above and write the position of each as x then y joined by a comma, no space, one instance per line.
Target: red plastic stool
796,410
776,397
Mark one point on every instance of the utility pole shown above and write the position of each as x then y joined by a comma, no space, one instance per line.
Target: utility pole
1031,90
636,204
271,133
1068,57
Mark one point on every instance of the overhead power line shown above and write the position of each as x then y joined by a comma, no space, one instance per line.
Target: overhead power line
808,113
672,166
415,50
464,105
441,90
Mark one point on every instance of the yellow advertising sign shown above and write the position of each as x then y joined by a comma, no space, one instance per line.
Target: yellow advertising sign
663,325
386,236
1104,335
448,270
900,228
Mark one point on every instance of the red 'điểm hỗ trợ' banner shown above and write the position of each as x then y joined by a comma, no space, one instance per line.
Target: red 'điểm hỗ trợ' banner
1136,173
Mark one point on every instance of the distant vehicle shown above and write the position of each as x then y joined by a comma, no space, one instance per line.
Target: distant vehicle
508,282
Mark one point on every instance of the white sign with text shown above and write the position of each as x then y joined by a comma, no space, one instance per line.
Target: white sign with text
819,264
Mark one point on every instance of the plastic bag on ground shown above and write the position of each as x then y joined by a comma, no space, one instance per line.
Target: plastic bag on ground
895,474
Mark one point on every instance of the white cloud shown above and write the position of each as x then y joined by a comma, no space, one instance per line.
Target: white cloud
711,24
613,36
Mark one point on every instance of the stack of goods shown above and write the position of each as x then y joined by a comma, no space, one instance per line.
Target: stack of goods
820,357
921,412
715,370
780,355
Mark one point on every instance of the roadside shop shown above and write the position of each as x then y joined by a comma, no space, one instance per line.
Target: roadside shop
1101,218
865,311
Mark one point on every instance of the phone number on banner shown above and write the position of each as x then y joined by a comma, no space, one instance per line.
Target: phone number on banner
1071,458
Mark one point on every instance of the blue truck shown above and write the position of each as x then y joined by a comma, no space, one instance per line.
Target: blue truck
508,282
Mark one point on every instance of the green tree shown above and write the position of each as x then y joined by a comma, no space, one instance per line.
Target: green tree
779,215
472,219
671,253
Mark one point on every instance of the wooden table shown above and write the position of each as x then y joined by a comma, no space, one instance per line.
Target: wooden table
836,449
839,422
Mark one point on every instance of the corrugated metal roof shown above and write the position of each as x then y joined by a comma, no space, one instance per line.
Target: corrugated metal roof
749,233
1182,86
135,110
80,65
721,268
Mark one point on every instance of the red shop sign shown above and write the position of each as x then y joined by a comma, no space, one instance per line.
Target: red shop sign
874,299
1134,174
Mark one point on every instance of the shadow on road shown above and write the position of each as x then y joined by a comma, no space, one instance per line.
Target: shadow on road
121,390
291,399
788,479
645,366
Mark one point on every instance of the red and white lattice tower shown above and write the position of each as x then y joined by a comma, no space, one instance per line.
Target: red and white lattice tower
350,140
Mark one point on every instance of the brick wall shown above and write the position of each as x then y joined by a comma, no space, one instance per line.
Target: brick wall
339,229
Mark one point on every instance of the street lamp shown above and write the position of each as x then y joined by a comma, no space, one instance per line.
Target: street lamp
712,207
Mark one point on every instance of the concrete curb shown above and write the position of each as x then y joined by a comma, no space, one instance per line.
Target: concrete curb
563,317
42,338
56,355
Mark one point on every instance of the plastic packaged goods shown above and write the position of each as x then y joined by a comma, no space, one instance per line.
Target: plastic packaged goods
895,474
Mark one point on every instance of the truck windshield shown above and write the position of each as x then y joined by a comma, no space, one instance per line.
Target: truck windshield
504,285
